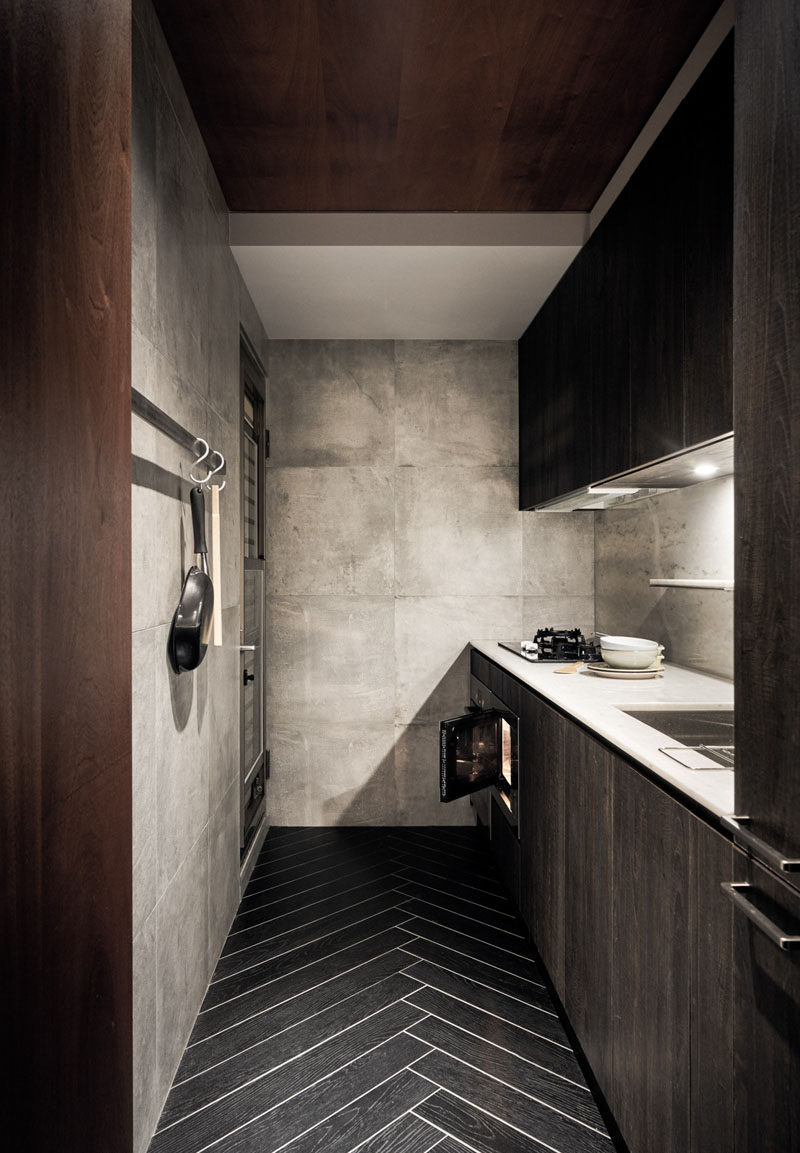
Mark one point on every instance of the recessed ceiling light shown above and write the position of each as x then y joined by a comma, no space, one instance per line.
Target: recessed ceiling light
706,470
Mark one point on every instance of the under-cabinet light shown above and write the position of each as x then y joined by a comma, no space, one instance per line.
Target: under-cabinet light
706,470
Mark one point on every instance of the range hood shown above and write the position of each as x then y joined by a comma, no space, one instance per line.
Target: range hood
707,461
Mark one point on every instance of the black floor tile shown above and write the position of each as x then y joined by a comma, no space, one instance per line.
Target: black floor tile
364,1117
408,1134
477,1130
570,1098
203,1054
275,927
272,992
377,995
454,960
510,938
267,1054
492,898
299,1114
249,975
307,1073
555,1058
500,958
525,1113
535,1013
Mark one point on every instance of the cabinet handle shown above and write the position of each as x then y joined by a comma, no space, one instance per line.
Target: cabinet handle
735,890
247,648
760,848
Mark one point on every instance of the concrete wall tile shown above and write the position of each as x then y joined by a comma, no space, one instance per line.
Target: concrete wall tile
147,1096
686,533
558,553
558,612
331,402
432,650
223,846
223,711
330,530
458,532
330,659
145,800
182,970
332,774
457,403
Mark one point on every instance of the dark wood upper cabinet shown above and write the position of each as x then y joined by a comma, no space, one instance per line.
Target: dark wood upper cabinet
708,253
629,359
767,404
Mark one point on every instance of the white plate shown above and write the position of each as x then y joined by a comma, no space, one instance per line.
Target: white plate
603,670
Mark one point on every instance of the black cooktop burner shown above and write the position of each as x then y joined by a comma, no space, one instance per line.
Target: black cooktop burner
556,645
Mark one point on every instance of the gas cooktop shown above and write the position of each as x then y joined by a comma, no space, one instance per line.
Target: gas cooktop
556,645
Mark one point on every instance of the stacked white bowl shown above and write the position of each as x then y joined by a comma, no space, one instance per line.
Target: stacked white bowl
630,652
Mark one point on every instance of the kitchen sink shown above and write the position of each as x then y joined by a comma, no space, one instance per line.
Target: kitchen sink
709,731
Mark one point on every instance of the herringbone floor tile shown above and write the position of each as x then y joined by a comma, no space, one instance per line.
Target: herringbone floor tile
377,994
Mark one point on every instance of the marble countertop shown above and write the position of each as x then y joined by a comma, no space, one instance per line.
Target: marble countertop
597,702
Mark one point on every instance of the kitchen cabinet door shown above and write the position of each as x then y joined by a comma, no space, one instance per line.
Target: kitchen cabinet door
649,1089
588,900
712,970
655,282
766,1020
767,401
543,740
707,214
554,394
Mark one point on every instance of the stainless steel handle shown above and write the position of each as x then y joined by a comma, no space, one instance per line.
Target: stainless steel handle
247,648
760,848
735,890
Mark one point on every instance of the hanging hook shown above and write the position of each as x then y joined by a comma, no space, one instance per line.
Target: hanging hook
200,460
207,481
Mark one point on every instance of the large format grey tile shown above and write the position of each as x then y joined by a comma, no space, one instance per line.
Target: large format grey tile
456,402
148,1094
223,710
558,553
182,958
330,659
458,532
558,612
333,774
330,530
143,756
432,653
223,881
331,402
143,186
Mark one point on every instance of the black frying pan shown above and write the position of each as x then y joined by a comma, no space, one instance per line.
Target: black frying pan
191,624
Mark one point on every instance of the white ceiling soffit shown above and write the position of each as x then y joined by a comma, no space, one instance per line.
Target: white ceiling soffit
402,276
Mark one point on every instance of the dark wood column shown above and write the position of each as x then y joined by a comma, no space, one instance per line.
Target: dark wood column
65,669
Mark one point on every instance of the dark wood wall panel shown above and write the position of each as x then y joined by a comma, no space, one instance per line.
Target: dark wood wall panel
767,416
65,676
424,105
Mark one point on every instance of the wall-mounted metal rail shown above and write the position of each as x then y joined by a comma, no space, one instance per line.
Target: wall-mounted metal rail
159,419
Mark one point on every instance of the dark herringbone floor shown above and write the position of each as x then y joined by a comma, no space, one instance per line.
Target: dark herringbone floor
376,993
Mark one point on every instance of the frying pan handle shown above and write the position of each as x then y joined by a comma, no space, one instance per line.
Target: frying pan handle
198,519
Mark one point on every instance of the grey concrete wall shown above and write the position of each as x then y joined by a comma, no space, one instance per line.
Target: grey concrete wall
187,302
685,533
393,538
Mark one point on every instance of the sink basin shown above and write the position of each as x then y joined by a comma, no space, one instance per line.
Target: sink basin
700,726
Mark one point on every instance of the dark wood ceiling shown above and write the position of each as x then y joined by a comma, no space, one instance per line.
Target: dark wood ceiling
424,105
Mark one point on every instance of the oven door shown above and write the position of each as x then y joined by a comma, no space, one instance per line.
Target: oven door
476,751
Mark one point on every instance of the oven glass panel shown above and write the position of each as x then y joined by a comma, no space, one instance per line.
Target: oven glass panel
472,753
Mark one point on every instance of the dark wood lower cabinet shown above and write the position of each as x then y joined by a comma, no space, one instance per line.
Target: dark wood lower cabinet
588,905
766,1020
687,1012
649,1090
543,743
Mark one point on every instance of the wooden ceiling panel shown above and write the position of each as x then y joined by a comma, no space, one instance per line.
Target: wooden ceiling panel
424,105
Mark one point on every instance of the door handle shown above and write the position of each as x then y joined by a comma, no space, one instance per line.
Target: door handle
735,890
247,648
248,677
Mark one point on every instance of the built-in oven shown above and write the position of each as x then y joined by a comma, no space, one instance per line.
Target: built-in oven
480,750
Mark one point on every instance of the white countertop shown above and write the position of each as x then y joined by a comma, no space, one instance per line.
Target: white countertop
596,702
